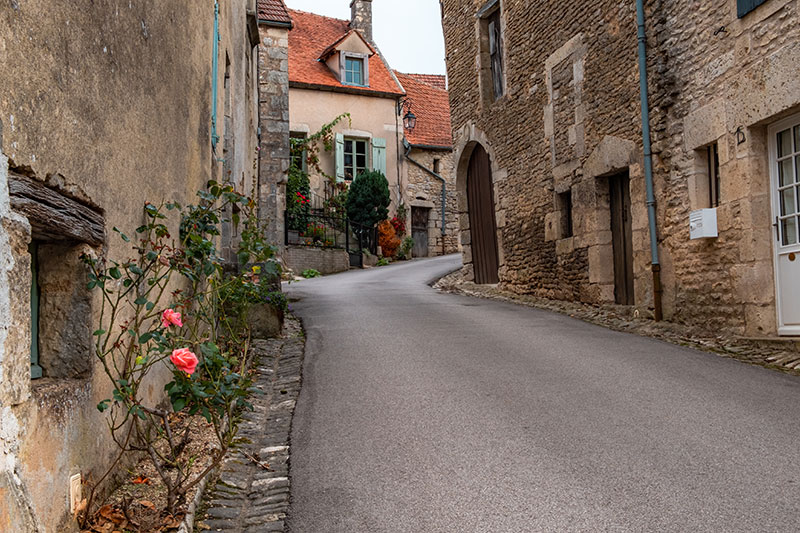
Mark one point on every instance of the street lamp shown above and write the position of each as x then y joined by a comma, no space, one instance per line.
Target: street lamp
409,118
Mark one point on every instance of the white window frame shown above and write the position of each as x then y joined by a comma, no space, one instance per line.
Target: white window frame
364,58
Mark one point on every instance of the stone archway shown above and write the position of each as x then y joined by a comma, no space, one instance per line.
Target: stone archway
472,142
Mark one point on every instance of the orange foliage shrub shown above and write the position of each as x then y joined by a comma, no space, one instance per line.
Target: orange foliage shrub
388,239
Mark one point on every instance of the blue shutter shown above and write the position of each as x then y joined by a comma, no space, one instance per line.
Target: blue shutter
743,7
379,155
339,157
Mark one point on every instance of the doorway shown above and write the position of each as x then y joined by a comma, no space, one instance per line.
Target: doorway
483,227
419,230
784,145
621,237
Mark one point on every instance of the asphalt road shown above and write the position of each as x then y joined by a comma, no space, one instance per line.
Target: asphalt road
426,412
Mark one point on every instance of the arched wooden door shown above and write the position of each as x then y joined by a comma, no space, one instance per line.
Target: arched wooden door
483,228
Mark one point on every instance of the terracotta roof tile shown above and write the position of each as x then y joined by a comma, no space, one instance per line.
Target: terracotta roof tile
273,11
431,105
437,80
311,36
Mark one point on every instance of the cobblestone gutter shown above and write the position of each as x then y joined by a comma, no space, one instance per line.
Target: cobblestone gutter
778,354
252,492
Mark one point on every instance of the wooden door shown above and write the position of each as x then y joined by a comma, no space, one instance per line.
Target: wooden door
784,145
419,230
622,240
483,228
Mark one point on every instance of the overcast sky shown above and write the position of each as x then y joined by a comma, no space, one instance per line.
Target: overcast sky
408,32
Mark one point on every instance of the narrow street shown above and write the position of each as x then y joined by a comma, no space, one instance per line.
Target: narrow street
426,412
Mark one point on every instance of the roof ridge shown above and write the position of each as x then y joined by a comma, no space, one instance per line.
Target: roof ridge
317,15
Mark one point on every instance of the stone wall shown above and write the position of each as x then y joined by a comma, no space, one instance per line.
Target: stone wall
273,58
425,191
570,118
324,260
110,106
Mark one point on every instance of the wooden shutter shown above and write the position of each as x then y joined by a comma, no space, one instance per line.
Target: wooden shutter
379,155
743,7
339,157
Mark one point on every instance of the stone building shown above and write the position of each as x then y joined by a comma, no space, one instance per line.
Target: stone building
429,166
104,106
274,23
547,123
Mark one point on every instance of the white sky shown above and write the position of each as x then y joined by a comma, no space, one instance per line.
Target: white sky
408,32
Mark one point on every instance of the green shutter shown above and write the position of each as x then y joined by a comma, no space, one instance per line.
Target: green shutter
36,370
743,7
339,157
379,155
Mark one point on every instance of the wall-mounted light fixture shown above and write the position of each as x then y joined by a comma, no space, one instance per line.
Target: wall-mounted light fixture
409,118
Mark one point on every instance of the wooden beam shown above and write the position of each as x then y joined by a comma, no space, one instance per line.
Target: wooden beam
52,215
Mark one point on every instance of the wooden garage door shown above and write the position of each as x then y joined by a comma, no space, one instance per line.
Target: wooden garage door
483,227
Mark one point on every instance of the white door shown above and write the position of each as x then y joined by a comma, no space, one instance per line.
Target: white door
784,146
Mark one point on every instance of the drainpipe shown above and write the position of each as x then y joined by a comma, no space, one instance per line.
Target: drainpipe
214,76
648,159
408,147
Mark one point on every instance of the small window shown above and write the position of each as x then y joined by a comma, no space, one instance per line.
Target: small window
565,208
496,53
355,158
712,156
743,7
298,156
436,165
491,51
354,71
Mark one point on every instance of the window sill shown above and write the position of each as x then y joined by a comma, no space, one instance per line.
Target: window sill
59,396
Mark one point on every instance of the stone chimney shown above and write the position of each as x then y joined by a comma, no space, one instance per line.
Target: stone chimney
361,17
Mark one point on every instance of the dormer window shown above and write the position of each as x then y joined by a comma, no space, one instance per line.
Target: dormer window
355,69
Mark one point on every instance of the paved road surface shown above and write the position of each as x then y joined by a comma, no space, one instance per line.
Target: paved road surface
428,412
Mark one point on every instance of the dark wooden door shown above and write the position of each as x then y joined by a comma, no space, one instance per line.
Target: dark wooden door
619,189
419,230
483,227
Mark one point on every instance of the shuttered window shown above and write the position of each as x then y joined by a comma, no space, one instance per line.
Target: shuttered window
496,53
379,155
743,7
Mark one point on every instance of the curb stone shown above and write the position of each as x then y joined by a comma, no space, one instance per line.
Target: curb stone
253,488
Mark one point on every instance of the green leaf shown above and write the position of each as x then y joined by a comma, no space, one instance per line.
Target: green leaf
102,406
149,306
115,273
145,337
141,300
136,270
122,235
127,283
98,332
178,404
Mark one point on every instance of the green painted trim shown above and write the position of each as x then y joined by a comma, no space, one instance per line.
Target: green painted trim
36,370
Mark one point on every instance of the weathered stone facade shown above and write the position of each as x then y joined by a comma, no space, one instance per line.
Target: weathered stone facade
425,192
108,105
569,125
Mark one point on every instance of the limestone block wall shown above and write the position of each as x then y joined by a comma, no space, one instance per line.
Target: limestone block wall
423,190
112,113
326,261
570,118
273,58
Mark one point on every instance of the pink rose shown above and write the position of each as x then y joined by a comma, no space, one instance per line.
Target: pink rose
170,317
184,360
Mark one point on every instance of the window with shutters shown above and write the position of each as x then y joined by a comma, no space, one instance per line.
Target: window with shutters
491,51
743,7
355,157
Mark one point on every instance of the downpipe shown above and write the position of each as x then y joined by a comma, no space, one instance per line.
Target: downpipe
648,159
408,148
214,77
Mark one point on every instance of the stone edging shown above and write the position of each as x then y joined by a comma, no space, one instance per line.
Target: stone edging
252,491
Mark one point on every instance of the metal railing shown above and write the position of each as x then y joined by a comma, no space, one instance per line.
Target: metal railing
310,228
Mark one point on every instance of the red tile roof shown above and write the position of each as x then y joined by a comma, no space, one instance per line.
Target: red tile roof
311,36
431,105
437,80
273,11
